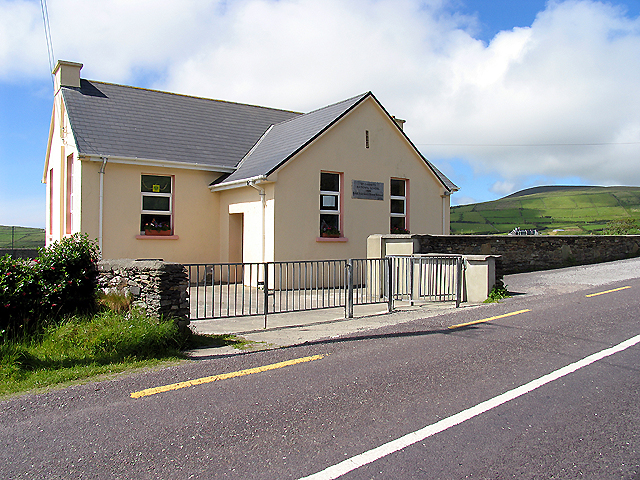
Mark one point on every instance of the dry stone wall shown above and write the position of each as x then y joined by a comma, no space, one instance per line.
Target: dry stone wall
26,253
530,253
161,288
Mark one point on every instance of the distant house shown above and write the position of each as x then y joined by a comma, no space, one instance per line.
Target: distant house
526,231
152,174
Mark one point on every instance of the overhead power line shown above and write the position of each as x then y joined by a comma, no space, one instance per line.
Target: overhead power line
600,144
47,34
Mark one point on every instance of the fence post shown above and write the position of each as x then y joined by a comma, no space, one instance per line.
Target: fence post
459,261
389,269
265,287
348,307
412,291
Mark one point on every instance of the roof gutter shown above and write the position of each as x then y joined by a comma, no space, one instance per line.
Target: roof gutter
159,163
239,183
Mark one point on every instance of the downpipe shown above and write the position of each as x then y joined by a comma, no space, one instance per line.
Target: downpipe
101,213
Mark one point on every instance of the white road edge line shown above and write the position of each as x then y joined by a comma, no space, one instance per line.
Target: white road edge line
370,456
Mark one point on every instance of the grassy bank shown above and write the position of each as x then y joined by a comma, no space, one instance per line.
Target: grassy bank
21,237
82,348
573,211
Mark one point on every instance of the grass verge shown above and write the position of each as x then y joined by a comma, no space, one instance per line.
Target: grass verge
498,292
82,348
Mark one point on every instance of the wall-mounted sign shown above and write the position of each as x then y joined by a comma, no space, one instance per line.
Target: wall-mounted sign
367,190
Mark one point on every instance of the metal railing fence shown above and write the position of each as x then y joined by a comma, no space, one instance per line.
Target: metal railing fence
224,290
429,277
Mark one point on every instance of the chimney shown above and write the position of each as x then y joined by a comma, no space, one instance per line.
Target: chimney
399,122
67,74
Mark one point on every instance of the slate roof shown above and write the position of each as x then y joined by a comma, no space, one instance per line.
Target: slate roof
286,139
130,122
449,185
136,123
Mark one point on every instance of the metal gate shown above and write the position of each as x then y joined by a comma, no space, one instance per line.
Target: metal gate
224,290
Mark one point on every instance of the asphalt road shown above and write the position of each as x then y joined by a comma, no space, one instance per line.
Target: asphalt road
354,399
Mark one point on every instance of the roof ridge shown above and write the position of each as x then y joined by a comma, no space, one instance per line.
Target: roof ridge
341,101
197,97
361,96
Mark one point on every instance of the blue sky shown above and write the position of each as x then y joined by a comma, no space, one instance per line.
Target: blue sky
500,95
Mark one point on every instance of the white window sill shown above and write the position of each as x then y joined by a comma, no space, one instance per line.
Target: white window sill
332,239
157,237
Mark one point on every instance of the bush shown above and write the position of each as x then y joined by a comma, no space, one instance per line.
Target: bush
19,298
498,292
626,226
62,280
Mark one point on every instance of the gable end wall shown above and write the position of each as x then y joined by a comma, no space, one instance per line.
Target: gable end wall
342,149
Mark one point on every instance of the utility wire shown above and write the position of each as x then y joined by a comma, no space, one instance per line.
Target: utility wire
47,34
526,144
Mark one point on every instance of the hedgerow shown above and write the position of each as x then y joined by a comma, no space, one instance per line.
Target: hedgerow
62,280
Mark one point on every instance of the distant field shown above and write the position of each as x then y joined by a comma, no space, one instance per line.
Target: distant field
23,237
569,211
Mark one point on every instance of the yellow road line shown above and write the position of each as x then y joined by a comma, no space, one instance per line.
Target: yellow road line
224,376
608,291
488,319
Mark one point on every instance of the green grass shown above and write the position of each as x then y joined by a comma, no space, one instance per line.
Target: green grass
498,292
23,237
577,211
81,349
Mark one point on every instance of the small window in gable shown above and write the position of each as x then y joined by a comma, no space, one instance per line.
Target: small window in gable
157,205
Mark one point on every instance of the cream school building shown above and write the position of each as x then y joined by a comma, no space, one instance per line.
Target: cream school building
152,174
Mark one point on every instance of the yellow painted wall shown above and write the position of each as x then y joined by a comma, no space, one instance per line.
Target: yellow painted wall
247,202
196,210
195,214
90,197
342,149
62,145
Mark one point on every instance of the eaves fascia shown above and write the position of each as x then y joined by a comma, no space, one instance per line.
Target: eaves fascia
49,141
238,183
158,163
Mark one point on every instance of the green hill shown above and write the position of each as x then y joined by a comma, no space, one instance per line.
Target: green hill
558,210
23,237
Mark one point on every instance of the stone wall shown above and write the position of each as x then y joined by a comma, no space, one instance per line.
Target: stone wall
537,252
161,288
27,253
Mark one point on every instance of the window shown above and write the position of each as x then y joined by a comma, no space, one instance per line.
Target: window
398,207
157,205
329,204
69,199
50,187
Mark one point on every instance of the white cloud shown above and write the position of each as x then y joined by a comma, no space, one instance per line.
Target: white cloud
23,50
570,78
462,200
503,188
